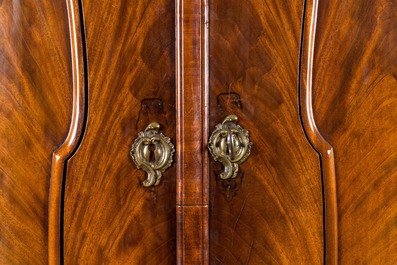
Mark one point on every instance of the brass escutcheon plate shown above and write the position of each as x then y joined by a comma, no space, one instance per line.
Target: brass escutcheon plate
155,161
229,144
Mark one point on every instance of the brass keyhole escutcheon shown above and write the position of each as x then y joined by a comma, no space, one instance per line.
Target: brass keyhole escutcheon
152,152
229,144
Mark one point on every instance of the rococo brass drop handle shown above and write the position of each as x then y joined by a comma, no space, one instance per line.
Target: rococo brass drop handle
230,145
155,161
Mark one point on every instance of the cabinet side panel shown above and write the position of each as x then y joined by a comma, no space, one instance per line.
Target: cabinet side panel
35,110
110,218
272,213
355,105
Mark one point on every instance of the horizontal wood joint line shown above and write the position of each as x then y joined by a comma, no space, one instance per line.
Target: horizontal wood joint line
192,205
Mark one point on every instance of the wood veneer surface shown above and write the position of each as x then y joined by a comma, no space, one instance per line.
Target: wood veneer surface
192,131
35,108
272,213
109,217
355,105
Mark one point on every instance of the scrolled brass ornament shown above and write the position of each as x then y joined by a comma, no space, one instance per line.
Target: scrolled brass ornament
155,161
229,144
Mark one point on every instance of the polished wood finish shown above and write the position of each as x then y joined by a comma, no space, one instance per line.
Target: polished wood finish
192,96
314,82
315,137
192,236
355,106
62,154
192,131
35,107
109,217
272,213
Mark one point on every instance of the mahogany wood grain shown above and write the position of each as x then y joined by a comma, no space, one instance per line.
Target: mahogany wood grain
192,131
62,154
324,149
109,217
272,213
35,111
355,105
192,234
192,97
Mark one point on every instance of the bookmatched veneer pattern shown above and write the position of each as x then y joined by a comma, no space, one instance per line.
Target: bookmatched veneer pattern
272,213
109,216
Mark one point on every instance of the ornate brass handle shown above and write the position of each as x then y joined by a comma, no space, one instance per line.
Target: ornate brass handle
152,152
230,145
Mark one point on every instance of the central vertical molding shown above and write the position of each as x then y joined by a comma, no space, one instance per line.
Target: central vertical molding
76,131
324,149
192,121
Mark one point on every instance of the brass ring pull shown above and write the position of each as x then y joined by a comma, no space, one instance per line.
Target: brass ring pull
230,145
152,152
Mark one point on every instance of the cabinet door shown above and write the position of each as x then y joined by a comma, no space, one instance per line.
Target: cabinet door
109,217
272,212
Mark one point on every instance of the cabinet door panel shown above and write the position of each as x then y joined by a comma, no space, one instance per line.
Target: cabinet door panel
109,217
272,213
35,111
355,104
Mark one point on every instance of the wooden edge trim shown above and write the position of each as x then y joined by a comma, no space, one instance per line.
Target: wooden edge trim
193,234
192,242
314,136
179,95
205,74
61,155
205,57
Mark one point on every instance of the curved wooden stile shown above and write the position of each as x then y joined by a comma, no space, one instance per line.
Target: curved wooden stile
314,136
61,155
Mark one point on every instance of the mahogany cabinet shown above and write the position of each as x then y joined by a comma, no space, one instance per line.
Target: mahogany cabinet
314,83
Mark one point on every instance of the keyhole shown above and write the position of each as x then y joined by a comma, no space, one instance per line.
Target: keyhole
152,148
